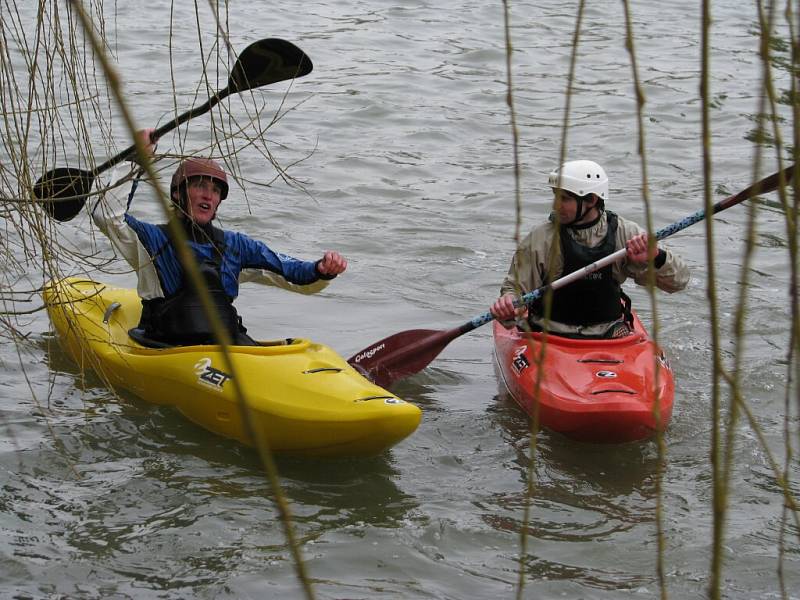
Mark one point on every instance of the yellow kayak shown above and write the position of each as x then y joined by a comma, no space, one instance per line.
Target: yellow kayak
301,397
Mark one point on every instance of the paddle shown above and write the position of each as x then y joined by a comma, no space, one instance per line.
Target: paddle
408,352
63,190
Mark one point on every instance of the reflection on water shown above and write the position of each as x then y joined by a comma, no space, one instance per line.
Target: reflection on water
356,493
581,491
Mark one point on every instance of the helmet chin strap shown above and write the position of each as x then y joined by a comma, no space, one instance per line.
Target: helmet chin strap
580,213
181,200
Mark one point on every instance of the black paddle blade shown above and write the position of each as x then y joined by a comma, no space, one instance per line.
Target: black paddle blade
268,61
401,354
63,191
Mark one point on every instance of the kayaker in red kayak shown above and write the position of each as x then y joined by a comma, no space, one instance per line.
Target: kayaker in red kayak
595,306
172,312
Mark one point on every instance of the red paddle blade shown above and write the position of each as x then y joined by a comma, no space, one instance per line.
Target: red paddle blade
401,354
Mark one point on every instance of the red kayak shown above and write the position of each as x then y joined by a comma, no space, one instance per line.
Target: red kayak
610,391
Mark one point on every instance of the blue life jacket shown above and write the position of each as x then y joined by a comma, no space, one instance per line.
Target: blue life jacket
180,318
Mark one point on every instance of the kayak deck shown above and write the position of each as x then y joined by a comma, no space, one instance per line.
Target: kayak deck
299,397
602,391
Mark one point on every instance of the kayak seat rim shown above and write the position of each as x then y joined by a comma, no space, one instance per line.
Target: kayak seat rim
137,335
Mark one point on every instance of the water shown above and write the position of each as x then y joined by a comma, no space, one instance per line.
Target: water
406,167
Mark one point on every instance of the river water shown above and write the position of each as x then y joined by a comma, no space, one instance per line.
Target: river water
406,167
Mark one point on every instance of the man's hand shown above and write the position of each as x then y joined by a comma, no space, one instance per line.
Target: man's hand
637,249
331,264
504,310
145,138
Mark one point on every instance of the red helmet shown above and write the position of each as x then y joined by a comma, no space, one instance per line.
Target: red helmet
199,167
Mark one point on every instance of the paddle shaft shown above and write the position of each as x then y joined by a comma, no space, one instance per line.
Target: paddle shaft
64,190
408,352
167,127
768,184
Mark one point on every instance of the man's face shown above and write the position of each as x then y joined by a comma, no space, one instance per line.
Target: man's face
565,203
204,195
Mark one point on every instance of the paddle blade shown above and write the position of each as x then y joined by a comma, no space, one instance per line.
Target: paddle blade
268,61
63,191
401,354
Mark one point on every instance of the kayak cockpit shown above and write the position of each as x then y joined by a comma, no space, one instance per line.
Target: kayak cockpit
137,334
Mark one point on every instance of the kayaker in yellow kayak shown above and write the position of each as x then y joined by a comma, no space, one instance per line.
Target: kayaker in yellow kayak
171,309
595,306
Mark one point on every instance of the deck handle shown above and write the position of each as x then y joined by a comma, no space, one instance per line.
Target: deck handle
109,311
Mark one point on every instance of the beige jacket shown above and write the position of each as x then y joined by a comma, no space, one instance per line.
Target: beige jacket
530,265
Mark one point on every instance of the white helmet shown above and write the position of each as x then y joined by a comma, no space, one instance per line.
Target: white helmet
580,177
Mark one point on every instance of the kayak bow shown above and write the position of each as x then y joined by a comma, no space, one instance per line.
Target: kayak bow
608,391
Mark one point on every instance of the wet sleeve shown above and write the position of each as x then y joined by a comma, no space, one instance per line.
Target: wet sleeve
260,264
529,263
111,217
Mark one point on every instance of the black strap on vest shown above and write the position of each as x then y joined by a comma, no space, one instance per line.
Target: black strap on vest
180,318
212,234
597,298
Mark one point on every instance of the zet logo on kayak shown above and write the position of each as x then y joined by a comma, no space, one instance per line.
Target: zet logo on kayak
520,362
208,375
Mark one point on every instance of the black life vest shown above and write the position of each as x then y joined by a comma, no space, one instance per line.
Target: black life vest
597,298
180,318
